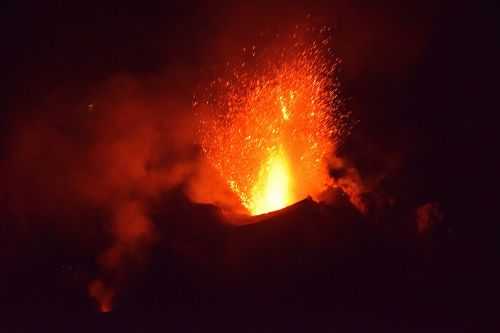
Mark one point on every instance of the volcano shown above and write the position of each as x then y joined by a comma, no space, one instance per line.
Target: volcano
305,166
319,261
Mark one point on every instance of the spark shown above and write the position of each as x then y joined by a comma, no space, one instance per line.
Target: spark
268,132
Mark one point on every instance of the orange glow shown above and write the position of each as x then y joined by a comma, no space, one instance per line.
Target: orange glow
269,127
102,294
272,190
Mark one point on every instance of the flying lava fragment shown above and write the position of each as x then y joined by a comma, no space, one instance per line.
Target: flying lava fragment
270,125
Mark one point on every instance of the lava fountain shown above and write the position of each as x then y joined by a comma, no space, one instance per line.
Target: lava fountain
269,126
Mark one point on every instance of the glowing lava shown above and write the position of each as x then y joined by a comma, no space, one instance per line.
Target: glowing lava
272,189
269,126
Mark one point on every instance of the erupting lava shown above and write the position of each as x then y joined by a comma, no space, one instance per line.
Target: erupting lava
270,126
272,189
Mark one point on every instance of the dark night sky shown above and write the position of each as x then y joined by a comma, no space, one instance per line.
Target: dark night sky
417,75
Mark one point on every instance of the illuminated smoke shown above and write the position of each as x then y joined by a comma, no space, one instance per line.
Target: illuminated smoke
429,215
113,158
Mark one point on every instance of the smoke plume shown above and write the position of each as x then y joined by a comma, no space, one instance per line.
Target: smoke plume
113,153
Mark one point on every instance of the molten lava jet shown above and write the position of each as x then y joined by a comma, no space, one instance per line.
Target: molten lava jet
270,125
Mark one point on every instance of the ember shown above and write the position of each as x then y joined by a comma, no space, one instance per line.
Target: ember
268,129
